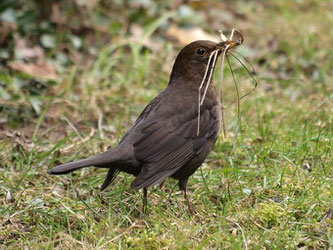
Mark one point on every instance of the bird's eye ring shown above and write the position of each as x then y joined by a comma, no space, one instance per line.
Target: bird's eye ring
201,51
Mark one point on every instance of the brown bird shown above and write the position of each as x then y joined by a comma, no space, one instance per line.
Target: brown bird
166,140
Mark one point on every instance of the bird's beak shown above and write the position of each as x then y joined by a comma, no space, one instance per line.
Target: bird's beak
235,40
231,44
221,45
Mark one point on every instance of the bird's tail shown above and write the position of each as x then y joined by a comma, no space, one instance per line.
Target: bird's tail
103,160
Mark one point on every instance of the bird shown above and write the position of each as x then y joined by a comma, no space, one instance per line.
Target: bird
166,140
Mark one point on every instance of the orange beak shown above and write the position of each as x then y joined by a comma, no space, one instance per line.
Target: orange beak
236,39
229,43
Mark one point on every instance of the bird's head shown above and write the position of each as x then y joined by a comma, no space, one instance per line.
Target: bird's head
192,60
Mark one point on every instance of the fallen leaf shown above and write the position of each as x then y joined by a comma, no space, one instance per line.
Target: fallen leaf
307,167
185,36
9,197
5,29
37,203
137,36
44,70
48,41
24,51
21,140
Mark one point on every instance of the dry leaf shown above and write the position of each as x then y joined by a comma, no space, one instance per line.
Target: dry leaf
185,36
9,197
5,29
137,35
21,140
34,61
24,51
43,70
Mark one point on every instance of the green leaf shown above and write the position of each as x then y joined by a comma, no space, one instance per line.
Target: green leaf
36,103
48,41
8,16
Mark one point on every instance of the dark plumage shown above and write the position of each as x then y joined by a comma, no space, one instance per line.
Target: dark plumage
163,141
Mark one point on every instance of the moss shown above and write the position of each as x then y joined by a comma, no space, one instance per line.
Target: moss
269,214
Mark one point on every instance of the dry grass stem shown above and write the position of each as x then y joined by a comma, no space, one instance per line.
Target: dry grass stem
201,85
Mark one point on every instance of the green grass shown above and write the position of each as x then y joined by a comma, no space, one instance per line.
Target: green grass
268,184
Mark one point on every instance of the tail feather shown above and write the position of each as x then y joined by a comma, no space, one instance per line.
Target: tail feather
102,160
109,178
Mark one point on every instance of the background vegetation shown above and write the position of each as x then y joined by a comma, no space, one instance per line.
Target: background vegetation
75,74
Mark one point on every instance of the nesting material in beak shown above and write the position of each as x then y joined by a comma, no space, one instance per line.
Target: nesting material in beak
236,38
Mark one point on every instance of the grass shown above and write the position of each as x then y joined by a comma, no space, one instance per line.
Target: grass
268,185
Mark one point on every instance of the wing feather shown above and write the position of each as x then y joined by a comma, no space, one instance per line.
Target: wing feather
167,144
170,164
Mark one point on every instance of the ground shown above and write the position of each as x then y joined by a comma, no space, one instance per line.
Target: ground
267,185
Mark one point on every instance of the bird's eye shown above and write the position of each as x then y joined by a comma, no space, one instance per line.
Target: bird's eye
201,51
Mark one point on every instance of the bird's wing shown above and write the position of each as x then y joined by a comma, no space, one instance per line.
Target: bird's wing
169,143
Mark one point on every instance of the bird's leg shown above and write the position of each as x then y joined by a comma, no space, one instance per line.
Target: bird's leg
188,203
145,200
182,186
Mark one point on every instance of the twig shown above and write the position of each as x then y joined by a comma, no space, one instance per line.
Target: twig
72,126
242,231
258,225
221,93
92,131
199,91
100,128
237,91
210,75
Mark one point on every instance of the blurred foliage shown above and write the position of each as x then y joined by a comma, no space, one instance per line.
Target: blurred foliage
67,33
42,40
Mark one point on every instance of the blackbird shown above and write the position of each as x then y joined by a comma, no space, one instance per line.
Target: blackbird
166,140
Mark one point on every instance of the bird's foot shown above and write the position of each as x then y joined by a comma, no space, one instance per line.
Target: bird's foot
145,200
190,209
